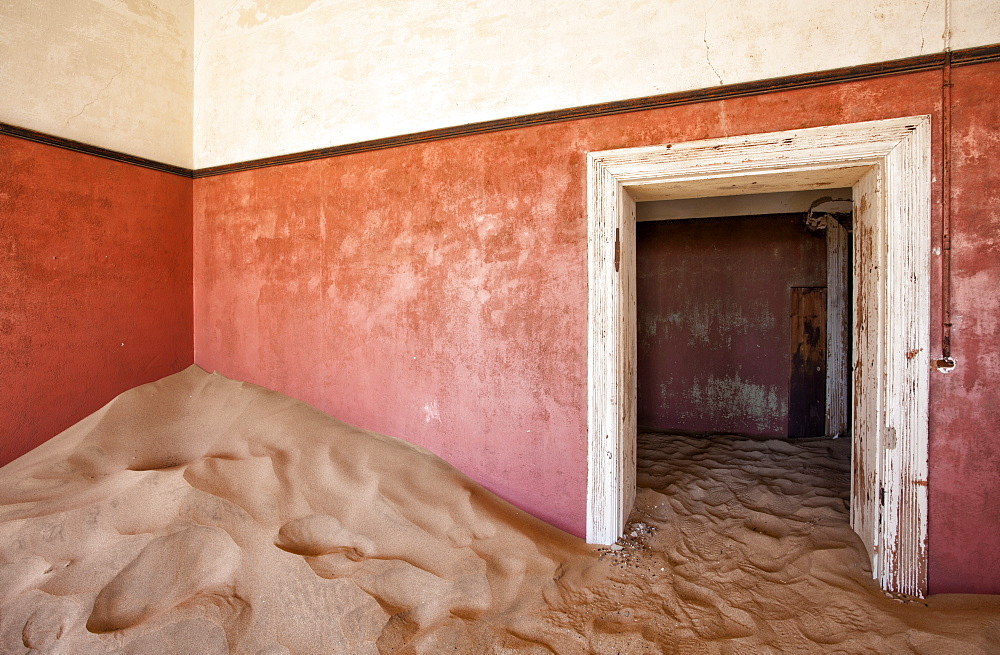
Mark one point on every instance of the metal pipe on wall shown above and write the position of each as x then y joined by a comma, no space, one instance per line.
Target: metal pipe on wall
946,362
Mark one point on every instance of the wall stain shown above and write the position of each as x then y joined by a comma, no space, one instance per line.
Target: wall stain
149,12
736,399
259,12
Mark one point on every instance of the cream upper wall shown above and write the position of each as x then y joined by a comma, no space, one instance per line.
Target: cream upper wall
280,76
111,73
219,81
973,23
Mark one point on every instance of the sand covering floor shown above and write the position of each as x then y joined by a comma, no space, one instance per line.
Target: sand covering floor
202,515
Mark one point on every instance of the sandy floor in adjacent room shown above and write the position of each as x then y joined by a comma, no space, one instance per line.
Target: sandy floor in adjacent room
202,515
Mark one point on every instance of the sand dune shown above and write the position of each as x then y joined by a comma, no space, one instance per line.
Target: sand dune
202,515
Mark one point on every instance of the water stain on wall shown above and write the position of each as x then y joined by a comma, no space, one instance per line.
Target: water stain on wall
711,320
258,12
735,399
149,13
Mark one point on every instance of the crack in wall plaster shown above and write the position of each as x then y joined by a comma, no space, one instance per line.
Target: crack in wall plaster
923,17
704,39
98,96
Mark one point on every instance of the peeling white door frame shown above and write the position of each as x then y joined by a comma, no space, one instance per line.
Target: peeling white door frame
838,332
888,165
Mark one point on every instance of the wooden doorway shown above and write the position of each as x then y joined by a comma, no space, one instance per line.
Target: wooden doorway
887,163
807,359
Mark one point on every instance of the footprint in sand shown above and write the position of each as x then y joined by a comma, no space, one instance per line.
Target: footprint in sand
54,618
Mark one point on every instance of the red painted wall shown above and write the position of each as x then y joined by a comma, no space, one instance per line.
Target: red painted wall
437,292
95,286
713,298
411,292
965,404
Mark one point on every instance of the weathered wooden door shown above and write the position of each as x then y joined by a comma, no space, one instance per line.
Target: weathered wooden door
807,375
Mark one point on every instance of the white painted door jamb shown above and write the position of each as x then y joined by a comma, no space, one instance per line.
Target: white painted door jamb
888,164
838,332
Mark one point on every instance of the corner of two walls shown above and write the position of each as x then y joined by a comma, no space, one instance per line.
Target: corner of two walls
95,254
116,74
95,285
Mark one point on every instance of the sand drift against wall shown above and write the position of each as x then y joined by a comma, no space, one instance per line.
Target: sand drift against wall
202,515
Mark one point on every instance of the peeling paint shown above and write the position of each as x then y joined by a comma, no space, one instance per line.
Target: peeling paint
432,413
735,399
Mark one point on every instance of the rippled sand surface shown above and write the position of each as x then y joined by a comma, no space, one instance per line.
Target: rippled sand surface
743,546
199,514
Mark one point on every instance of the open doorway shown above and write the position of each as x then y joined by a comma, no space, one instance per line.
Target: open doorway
887,166
743,315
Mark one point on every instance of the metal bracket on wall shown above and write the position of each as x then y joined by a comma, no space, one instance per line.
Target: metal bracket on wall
944,365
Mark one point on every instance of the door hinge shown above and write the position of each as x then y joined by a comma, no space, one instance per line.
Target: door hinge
618,250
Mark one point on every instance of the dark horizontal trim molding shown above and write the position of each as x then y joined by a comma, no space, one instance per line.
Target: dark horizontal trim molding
837,75
979,55
965,57
104,153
